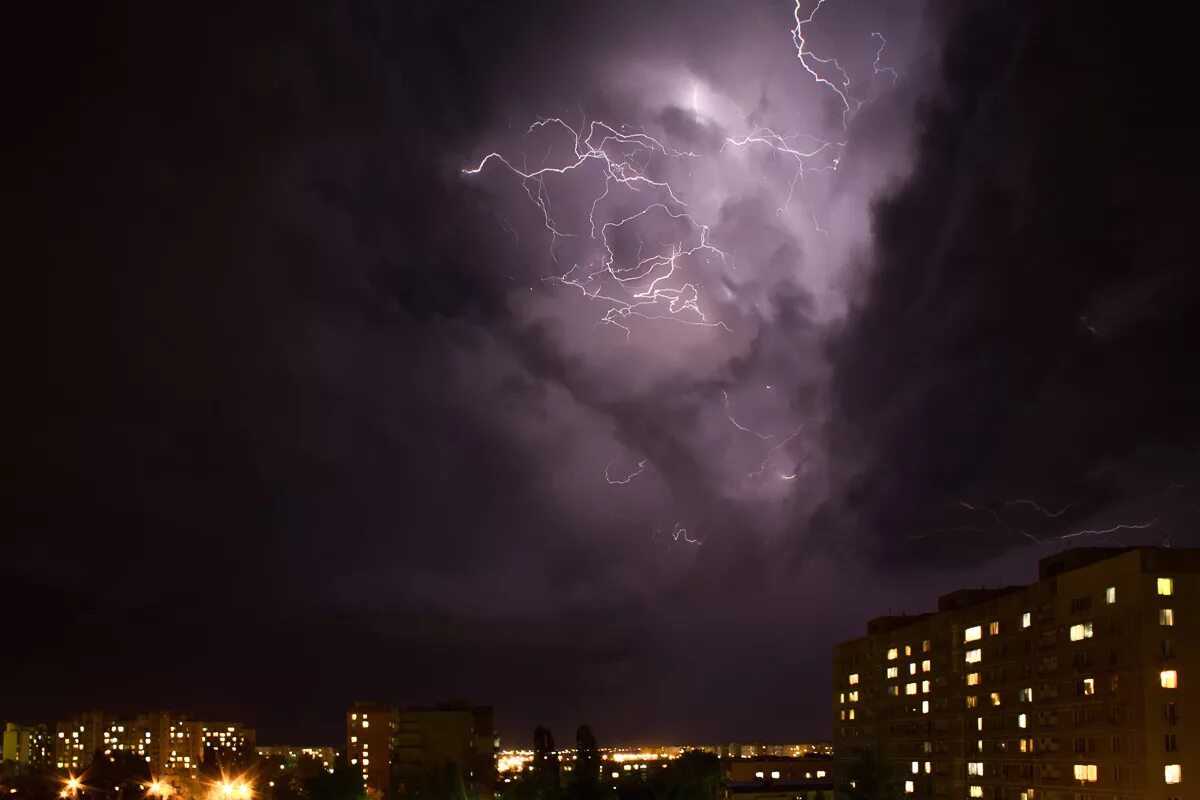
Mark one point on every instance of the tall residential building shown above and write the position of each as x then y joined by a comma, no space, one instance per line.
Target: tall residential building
78,739
369,730
410,747
1085,684
28,747
225,740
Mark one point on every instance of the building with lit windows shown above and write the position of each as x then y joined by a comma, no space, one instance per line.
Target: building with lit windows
27,748
369,730
78,739
1081,685
225,740
403,747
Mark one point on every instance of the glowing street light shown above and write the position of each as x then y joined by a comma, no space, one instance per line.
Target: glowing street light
73,786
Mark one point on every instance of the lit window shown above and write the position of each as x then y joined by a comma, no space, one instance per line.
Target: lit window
852,713
908,787
908,649
924,687
1166,616
353,739
1110,595
976,791
972,701
893,672
912,668
973,634
928,767
1085,772
854,679
910,688
365,723
352,716
1022,721
1082,631
1027,695
1172,773
995,698
916,767
994,628
975,768
894,691
1089,686
974,656
854,696
926,665
926,645
924,706
979,723
1166,586
842,698
1169,679
775,775
972,679
1026,619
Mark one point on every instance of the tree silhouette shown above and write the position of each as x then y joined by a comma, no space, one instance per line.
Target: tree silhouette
587,765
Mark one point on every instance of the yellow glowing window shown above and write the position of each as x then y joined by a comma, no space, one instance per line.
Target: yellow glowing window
926,646
1022,722
973,634
976,791
928,767
1166,586
854,696
926,665
924,687
974,767
924,706
894,691
908,649
908,787
893,654
972,701
1172,773
1083,631
851,717
366,724
910,688
979,723
1089,686
995,698
974,656
854,679
1110,595
893,672
912,668
1085,772
1166,616
972,679
841,697
1169,679
994,628
1026,619
916,767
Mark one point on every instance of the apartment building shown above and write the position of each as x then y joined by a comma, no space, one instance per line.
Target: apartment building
1080,686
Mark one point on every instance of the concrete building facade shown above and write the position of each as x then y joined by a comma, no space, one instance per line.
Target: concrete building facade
1083,685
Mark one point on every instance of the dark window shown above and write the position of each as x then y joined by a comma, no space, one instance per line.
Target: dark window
1170,743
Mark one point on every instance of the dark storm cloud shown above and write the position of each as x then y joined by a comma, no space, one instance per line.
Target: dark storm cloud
1016,338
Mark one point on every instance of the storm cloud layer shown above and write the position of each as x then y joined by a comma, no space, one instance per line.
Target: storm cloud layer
305,377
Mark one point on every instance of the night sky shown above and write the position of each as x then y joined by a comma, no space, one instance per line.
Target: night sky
305,411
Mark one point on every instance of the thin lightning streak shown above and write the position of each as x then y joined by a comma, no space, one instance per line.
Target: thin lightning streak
1133,526
740,426
1050,514
624,481
878,55
802,51
999,520
771,454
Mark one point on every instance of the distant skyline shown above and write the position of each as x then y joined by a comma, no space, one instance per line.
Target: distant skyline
603,363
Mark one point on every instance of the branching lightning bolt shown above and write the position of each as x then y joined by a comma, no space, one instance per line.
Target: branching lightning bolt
1132,526
879,55
802,51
